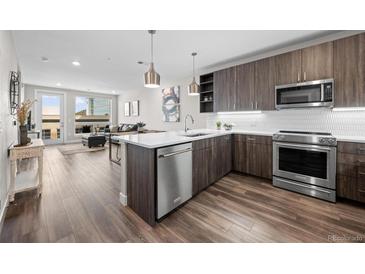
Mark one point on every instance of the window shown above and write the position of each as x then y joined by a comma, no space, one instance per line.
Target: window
92,114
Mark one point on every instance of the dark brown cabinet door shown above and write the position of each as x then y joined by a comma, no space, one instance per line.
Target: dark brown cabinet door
224,89
288,68
245,77
317,62
239,152
253,155
265,84
223,156
349,71
253,164
266,161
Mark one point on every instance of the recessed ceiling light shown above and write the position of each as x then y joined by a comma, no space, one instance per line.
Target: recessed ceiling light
76,63
58,84
44,59
113,91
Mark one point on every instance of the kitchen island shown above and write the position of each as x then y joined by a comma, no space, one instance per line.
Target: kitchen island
211,160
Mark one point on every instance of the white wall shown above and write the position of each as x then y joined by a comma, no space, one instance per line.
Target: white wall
151,107
69,98
8,132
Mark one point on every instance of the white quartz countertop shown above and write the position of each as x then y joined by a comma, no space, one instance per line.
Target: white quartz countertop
161,139
354,139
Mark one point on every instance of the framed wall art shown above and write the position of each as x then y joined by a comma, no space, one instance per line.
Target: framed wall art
171,104
135,108
127,112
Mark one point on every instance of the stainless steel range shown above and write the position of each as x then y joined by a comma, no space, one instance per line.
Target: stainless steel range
305,162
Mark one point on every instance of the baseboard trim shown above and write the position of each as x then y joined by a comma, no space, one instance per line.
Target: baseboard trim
3,212
123,199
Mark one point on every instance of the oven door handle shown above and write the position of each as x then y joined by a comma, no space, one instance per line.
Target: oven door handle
310,147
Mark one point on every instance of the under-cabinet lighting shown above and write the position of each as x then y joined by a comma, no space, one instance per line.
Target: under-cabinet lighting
239,112
349,109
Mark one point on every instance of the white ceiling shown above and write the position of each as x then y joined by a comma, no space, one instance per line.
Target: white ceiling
125,48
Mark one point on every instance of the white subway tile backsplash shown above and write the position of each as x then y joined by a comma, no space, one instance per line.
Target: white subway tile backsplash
351,123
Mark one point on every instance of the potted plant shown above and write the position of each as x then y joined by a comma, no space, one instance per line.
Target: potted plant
140,126
22,114
219,125
228,126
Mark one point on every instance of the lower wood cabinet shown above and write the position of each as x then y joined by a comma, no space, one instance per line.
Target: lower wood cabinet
351,171
212,159
252,154
141,182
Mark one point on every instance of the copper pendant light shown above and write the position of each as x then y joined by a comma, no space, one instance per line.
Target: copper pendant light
193,88
151,77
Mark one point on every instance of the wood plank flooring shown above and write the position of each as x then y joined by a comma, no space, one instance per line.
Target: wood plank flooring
80,203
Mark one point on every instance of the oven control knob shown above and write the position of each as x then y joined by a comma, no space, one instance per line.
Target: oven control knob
323,140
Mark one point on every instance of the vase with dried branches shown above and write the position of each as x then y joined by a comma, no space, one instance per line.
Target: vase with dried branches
22,114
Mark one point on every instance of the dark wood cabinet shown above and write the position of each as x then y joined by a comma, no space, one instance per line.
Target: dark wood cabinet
265,84
349,71
253,155
206,93
351,171
223,156
317,62
252,85
212,159
288,68
141,182
239,148
224,89
245,89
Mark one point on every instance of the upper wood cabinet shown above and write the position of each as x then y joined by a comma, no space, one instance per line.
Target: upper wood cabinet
265,84
317,62
288,68
349,71
224,89
245,92
308,64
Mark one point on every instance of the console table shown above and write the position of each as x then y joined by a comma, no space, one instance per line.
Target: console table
33,150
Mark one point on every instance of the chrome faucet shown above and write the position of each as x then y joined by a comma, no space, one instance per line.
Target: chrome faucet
192,120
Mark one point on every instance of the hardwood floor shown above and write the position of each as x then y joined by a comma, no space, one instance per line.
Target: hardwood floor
80,203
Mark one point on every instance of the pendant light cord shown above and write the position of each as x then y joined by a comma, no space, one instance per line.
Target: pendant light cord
151,47
194,66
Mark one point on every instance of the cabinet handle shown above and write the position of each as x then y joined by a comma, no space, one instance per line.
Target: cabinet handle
305,76
361,150
251,139
251,105
361,173
256,105
298,77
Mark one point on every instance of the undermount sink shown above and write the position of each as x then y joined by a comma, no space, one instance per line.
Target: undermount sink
195,134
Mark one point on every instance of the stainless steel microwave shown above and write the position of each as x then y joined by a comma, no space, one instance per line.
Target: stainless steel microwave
319,93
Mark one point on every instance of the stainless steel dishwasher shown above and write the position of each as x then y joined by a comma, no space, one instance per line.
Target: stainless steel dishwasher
174,177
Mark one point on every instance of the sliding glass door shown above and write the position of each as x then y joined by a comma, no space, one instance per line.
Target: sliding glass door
50,117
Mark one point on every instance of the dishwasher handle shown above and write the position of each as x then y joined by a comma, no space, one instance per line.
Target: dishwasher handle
174,153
